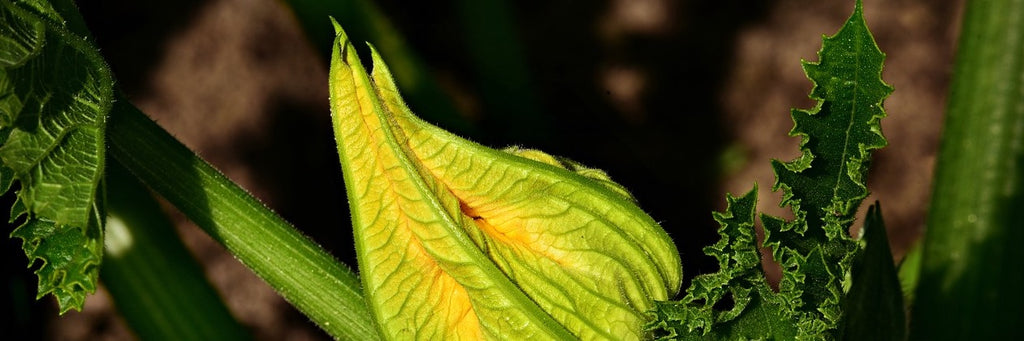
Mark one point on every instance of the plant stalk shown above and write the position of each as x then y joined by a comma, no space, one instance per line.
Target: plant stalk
149,272
300,270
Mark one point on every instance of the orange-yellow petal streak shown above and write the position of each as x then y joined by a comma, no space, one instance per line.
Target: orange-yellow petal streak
593,261
423,276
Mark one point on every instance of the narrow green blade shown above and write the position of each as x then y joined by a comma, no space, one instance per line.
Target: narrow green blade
972,268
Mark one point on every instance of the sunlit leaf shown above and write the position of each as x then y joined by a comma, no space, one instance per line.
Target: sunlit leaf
457,240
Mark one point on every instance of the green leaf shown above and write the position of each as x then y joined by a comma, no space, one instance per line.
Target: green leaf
458,240
755,309
823,187
301,271
55,93
972,262
874,304
69,267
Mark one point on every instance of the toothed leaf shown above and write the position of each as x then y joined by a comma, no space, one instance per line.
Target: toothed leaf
823,188
55,92
67,260
754,309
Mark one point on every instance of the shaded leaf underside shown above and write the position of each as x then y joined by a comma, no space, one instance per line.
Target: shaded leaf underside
55,92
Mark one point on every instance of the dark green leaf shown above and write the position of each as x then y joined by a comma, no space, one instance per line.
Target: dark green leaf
752,315
874,305
68,260
55,92
823,187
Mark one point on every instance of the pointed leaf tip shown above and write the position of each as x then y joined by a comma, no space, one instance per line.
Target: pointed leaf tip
338,31
874,305
458,240
823,188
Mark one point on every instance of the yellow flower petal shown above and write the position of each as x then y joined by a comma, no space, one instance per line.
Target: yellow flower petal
459,241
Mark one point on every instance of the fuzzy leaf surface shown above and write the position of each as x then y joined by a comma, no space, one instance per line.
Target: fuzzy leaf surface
823,188
459,241
55,93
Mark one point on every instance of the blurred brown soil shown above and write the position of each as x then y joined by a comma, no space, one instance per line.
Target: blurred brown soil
237,81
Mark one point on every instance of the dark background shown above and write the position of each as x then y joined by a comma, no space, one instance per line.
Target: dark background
679,101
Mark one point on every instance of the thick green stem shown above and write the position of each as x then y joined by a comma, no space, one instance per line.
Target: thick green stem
305,275
971,271
150,274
